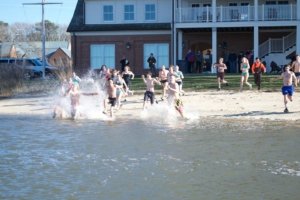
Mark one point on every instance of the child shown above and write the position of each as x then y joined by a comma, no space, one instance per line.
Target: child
149,94
173,95
287,88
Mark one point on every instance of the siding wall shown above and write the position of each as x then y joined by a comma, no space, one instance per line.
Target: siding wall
81,49
94,11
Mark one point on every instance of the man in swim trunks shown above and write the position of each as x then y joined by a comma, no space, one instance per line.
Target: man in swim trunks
149,94
163,77
296,68
288,88
112,96
173,95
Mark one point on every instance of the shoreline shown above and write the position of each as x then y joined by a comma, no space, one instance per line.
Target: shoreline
224,104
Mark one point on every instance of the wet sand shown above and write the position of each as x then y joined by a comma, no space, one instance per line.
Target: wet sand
245,105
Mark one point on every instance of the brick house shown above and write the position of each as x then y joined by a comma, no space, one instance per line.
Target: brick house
102,31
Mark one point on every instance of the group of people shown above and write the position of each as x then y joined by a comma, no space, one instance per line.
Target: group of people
171,82
290,75
116,85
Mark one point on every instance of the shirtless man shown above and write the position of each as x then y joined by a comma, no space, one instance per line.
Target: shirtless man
163,78
288,88
112,96
149,94
296,68
173,95
221,67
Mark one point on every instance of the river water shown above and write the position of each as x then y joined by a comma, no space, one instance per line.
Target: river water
139,159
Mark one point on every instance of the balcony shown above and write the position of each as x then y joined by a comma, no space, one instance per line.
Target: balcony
237,13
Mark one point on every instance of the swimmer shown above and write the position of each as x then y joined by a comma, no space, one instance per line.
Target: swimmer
149,94
173,96
288,88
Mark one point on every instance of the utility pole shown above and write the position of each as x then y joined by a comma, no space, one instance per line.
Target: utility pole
43,3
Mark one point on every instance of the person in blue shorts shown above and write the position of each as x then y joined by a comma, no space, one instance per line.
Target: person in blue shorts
288,88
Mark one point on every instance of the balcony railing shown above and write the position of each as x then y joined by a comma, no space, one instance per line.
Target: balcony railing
277,45
237,13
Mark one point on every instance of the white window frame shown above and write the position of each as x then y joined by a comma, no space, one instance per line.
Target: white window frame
102,54
130,13
150,12
162,58
106,13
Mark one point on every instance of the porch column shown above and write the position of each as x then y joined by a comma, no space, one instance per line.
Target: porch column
214,48
255,10
180,35
214,8
298,30
298,37
256,42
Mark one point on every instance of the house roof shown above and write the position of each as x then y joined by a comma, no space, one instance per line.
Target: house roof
32,49
77,23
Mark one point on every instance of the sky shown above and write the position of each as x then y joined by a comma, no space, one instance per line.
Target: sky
12,11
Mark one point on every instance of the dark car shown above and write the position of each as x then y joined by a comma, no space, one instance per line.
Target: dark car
33,67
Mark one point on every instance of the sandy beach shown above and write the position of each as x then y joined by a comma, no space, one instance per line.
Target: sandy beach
246,105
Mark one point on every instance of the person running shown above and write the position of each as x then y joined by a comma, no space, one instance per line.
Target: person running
163,78
245,73
296,68
121,92
288,88
179,79
257,69
74,97
149,94
173,96
112,97
128,75
221,67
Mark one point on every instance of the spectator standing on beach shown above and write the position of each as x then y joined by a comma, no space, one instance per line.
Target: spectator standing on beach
257,69
190,60
296,68
124,62
199,60
149,93
245,73
221,67
152,64
288,88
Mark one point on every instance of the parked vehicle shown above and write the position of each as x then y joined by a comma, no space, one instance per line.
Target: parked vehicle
33,67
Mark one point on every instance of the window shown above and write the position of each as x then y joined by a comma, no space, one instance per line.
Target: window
150,12
108,14
283,2
245,4
102,54
128,12
160,52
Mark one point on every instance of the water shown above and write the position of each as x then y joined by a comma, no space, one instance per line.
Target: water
150,159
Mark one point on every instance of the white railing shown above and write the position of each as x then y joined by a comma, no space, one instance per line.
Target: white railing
277,45
237,13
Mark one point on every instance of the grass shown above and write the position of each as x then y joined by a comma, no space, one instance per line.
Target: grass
194,82
270,83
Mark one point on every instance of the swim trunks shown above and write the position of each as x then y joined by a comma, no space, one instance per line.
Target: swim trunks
287,90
